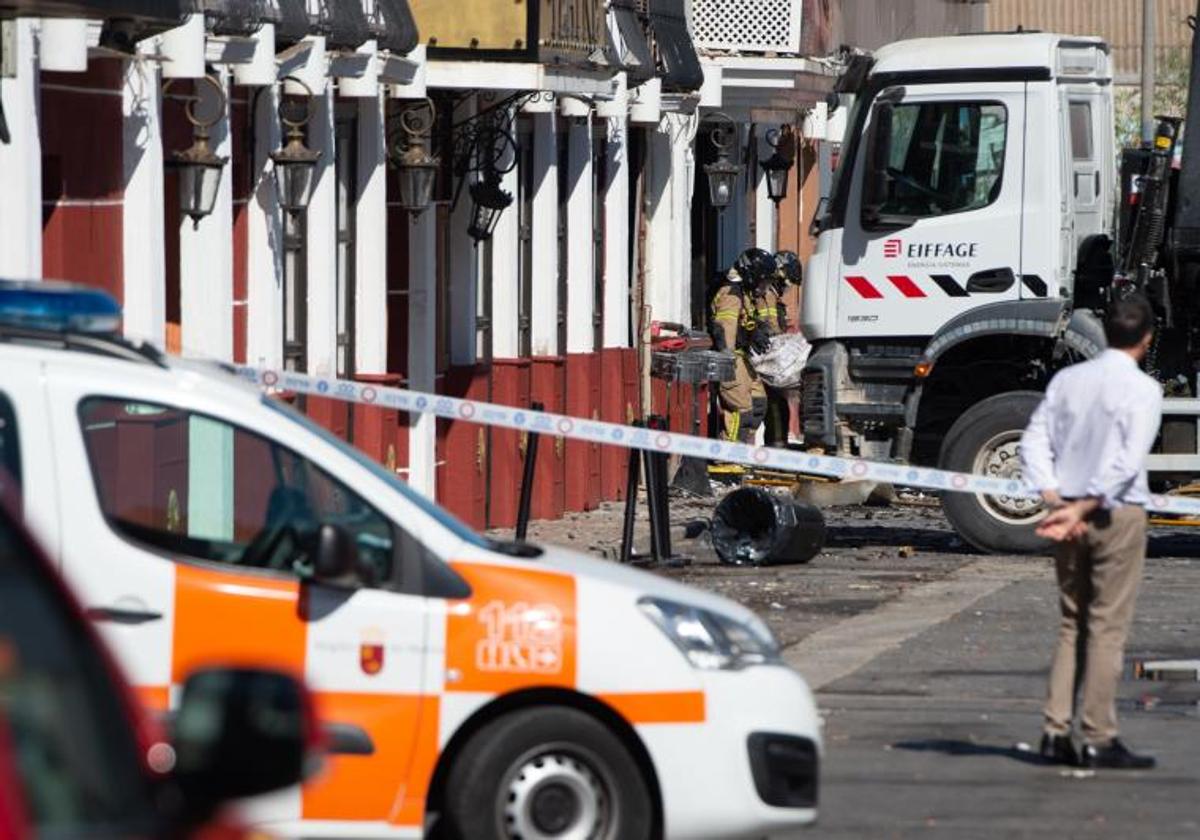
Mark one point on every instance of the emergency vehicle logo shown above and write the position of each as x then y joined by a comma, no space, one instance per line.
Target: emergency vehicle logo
520,638
370,652
892,248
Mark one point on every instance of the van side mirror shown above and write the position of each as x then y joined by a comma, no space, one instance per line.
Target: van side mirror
875,175
241,732
334,556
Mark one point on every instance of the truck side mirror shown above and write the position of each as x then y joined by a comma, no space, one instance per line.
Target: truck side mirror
878,156
241,732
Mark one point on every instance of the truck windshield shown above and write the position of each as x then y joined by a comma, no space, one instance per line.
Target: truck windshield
439,514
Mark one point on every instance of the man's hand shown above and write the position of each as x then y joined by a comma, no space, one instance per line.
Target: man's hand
1067,522
1052,499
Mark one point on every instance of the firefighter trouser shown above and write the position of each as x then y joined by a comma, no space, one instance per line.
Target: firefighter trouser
778,419
743,401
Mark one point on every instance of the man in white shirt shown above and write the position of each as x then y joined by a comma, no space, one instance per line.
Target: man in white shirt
1085,450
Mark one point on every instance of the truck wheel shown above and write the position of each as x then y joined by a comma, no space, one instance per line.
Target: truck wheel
986,440
545,773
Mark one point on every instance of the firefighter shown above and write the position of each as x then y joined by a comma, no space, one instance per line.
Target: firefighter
773,313
736,326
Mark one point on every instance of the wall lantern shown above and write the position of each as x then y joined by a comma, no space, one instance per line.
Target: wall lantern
198,168
489,200
295,163
779,164
723,173
416,168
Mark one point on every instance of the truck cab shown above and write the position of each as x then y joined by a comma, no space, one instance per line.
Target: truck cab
944,291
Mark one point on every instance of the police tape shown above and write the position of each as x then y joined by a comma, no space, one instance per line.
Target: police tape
655,440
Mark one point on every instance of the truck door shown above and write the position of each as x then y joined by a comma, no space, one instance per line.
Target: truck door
1090,145
933,227
187,540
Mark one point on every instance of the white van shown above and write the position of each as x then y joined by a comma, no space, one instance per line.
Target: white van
469,688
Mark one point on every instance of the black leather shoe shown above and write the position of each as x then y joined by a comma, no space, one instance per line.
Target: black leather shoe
1116,756
1059,749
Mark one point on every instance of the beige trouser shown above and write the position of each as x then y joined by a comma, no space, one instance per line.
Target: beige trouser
743,401
1098,578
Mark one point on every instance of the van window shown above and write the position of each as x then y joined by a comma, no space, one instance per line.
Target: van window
10,452
63,723
943,157
192,484
1081,131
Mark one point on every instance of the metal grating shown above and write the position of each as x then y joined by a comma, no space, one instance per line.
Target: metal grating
756,26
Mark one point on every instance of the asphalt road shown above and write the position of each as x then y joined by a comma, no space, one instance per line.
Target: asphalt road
929,663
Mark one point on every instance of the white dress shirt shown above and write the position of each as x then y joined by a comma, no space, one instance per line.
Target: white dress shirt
1093,430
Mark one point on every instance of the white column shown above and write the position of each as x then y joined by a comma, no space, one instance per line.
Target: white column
21,164
422,343
264,253
506,275
617,234
143,230
682,180
580,230
463,272
668,249
544,314
370,255
206,258
321,241
764,208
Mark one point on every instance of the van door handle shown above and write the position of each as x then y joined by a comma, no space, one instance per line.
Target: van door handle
122,615
992,281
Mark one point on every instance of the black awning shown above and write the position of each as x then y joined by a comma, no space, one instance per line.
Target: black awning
163,12
678,64
293,23
237,17
393,26
136,19
344,25
637,60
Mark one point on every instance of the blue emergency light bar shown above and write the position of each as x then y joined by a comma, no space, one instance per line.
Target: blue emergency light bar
58,307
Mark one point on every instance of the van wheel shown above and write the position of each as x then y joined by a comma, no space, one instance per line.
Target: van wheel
986,440
546,774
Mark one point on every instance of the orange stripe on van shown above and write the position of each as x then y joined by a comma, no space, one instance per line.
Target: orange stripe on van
517,630
658,706
235,619
364,787
424,760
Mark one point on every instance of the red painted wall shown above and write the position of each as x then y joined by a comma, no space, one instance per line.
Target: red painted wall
83,176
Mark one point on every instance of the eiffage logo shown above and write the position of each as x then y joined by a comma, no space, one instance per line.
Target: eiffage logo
891,248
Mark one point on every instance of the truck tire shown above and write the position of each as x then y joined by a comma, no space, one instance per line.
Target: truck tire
986,440
546,773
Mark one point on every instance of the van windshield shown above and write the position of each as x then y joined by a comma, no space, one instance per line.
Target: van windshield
439,514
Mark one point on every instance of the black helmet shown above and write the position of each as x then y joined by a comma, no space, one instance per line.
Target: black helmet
754,265
788,268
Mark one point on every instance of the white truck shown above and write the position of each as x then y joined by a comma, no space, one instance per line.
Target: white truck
978,226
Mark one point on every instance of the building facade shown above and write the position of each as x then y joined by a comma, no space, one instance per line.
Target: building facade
562,146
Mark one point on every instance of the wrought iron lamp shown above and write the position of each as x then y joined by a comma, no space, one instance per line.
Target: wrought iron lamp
295,163
199,169
723,173
416,168
779,164
489,201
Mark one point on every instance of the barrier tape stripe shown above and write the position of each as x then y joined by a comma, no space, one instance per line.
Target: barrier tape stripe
633,437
